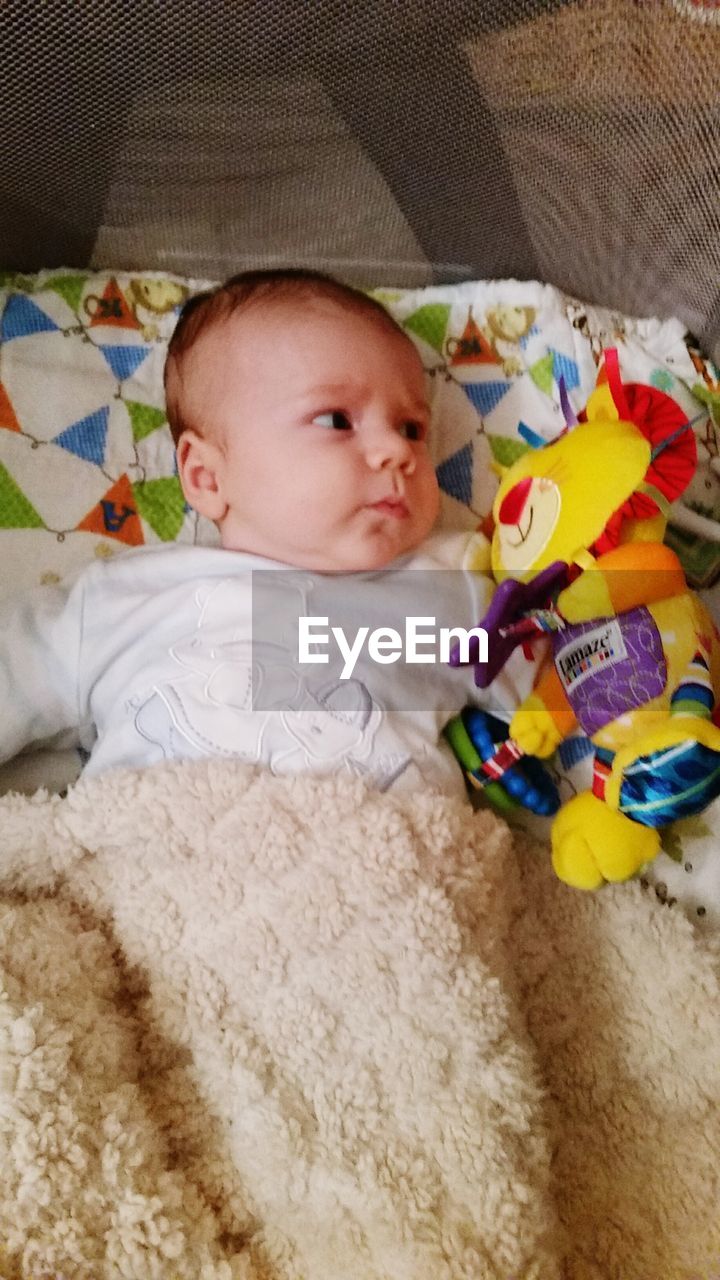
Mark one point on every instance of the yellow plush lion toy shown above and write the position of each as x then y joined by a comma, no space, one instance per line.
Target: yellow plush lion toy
578,555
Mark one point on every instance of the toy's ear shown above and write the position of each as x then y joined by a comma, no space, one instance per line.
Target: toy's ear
600,406
608,401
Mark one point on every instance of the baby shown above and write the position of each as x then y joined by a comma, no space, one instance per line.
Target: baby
300,416
299,411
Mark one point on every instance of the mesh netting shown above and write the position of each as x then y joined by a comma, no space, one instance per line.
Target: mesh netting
577,143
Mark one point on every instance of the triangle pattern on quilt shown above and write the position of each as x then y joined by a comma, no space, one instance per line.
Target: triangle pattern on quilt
161,503
506,449
8,419
23,317
16,512
124,360
485,395
110,308
430,323
87,437
115,515
144,419
472,347
69,288
455,474
565,367
524,338
542,373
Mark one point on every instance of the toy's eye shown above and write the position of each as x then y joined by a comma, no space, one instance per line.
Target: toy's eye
333,420
413,430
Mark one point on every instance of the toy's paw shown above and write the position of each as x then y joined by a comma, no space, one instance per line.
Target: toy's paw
586,598
593,844
534,729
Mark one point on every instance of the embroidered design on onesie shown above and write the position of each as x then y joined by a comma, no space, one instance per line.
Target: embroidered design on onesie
210,707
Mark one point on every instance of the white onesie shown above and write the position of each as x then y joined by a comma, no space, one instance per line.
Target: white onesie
159,655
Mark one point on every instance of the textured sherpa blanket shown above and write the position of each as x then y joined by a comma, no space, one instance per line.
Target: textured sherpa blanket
298,1031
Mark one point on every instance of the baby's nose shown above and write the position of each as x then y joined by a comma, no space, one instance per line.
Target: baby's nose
388,447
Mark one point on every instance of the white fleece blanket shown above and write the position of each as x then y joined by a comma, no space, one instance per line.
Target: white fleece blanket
298,1031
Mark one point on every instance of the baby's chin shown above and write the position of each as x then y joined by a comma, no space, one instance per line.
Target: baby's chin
353,550
375,551
363,556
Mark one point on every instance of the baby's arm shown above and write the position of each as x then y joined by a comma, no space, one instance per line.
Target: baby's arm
39,660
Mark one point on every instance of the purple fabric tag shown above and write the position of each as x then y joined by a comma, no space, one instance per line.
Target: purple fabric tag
610,666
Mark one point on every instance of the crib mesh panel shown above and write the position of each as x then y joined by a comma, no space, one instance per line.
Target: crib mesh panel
574,141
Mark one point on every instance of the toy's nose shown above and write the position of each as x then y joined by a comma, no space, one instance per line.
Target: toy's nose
512,505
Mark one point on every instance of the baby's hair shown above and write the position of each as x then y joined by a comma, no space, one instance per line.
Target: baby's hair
213,307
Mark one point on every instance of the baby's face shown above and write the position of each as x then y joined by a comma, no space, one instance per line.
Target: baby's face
322,417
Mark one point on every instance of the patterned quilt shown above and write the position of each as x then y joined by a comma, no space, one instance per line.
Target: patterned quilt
87,465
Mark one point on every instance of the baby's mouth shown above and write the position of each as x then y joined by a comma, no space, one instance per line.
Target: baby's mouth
392,506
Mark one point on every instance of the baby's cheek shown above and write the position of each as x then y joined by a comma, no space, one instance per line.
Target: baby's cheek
432,494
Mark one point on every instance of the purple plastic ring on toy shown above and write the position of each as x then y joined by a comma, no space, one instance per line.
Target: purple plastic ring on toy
511,600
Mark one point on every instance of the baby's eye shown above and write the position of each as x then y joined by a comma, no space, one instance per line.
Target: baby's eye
334,420
413,430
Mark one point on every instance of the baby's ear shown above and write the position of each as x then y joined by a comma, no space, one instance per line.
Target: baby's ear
200,465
